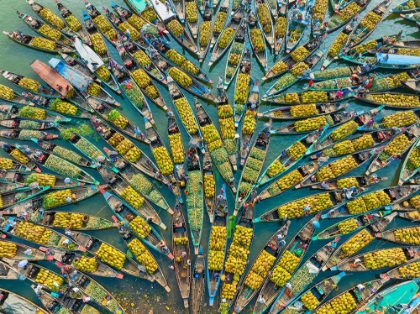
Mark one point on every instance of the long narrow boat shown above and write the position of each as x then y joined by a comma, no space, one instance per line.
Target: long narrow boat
221,17
53,200
302,111
410,166
411,17
198,282
180,33
57,164
266,23
360,240
19,251
304,275
405,271
12,167
45,30
289,158
100,22
12,300
178,7
362,183
274,284
398,146
13,151
205,32
252,169
377,259
38,43
181,247
411,101
337,72
65,153
217,245
344,15
346,164
404,235
318,293
384,198
73,23
185,113
385,61
234,60
347,129
12,96
405,7
280,25
123,189
319,12
27,134
27,124
38,234
7,186
400,119
257,274
191,14
298,21
27,83
308,97
256,39
209,185
226,37
243,86
373,17
234,267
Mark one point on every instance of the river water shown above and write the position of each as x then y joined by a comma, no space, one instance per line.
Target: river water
140,296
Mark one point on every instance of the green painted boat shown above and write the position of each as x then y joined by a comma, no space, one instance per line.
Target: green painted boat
302,111
334,73
308,97
410,166
16,197
405,7
26,134
361,182
390,100
12,298
344,15
235,56
24,163
412,17
22,178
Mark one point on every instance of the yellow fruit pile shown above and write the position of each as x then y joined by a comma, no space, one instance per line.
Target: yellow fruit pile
7,249
296,151
217,247
125,147
413,215
111,256
55,199
400,119
136,21
176,28
347,183
226,123
363,142
181,241
310,124
211,137
356,243
384,258
73,23
310,301
415,201
103,73
186,115
286,266
226,37
105,27
295,209
93,89
132,197
98,43
299,69
228,290
175,143
397,146
63,107
299,54
239,250
289,98
285,182
134,33
348,226
205,32
259,270
163,160
337,45
392,81
140,227
19,156
414,159
410,235
257,39
276,168
149,14
68,220
343,304
336,168
33,233
6,92
116,118
397,100
345,130
250,122
191,11
142,58
279,67
51,18
6,163
49,32
410,271
220,22
49,279
280,27
209,185
303,110
242,88
180,77
368,202
180,60
86,264
320,9
314,97
264,17
141,78
143,255
280,276
369,21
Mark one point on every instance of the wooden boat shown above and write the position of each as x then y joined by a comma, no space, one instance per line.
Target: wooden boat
339,83
182,254
331,120
11,166
360,33
382,124
30,41
335,199
409,168
16,80
299,18
401,272
43,29
386,61
65,153
67,15
270,290
81,144
285,113
22,178
363,183
218,231
361,120
288,61
207,23
6,186
411,17
255,159
13,151
320,291
307,141
368,98
404,235
79,65
268,29
187,42
185,113
118,185
337,19
349,264
288,79
34,255
21,134
269,253
234,25
360,158
11,225
304,275
236,52
244,76
233,275
77,194
337,72
412,134
221,18
404,8
327,97
395,194
280,25
11,300
255,31
179,8
104,26
210,189
56,164
198,281
16,99
192,25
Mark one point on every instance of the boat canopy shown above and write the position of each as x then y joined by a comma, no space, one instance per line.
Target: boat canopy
76,78
92,60
161,10
394,59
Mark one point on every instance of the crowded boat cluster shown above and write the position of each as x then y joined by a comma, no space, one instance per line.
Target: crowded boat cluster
83,82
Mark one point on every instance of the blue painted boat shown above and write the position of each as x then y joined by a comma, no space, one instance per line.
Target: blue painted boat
299,18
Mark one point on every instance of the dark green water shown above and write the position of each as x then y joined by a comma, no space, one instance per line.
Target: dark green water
145,296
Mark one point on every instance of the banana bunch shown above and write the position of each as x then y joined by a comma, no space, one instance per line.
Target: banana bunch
19,156
220,22
399,119
343,304
51,18
134,33
49,32
205,32
111,256
103,73
320,9
136,21
280,276
63,107
289,98
384,258
73,23
163,160
257,39
191,11
133,198
143,255
234,59
276,168
338,44
284,81
31,112
299,54
397,100
370,20
397,146
151,91
142,58
141,78
124,146
310,301
140,227
348,226
180,77
296,151
116,118
227,128
242,88
362,48
98,43
226,37
264,17
149,14
209,186
253,280
414,158
29,84
186,114
176,28
356,243
345,130
6,163
43,43
314,97
93,89
6,92
347,183
211,137
281,27
363,142
295,209
175,144
310,124
299,68
303,110
250,122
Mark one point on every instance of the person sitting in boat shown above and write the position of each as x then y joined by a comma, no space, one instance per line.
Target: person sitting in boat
339,94
386,57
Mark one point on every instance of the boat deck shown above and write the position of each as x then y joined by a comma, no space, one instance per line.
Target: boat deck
161,11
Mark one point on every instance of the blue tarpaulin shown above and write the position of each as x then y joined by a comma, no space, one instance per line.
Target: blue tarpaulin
397,59
79,80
